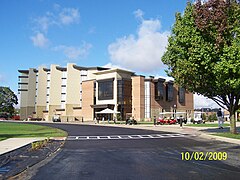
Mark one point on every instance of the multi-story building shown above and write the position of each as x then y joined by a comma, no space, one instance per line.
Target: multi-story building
76,92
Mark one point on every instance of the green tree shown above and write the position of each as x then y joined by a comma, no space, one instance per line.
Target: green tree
203,53
210,118
7,100
204,116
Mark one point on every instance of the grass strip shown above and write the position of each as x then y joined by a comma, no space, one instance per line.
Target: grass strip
228,135
206,125
18,130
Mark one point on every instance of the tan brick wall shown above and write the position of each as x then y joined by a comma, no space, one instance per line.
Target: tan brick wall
69,109
158,106
31,88
73,86
55,88
87,100
52,110
42,87
138,97
39,111
77,112
25,112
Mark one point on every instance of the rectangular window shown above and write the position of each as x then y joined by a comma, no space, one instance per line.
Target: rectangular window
64,81
62,105
147,99
48,83
64,89
124,96
48,77
105,89
159,90
48,98
169,90
64,74
63,96
181,94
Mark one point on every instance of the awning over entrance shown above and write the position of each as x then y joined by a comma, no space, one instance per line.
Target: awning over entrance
107,111
101,106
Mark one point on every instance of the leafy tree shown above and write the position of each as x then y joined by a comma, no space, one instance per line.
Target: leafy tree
7,100
203,54
214,117
210,118
204,116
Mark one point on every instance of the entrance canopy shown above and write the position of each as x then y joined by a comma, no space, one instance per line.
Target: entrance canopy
107,111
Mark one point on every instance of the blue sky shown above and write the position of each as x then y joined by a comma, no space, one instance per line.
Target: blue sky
130,34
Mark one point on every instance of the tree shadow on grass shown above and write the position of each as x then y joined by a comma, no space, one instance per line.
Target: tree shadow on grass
217,130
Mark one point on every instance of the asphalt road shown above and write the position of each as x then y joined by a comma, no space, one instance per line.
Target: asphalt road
136,159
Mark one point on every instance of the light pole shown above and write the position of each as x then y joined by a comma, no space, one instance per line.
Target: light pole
174,110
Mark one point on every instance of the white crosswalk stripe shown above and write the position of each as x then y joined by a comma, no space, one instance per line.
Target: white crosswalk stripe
144,136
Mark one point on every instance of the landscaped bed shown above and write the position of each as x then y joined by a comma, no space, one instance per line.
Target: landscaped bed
15,162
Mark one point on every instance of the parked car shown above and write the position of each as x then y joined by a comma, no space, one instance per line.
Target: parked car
56,118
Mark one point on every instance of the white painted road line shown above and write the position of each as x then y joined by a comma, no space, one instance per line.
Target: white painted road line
144,136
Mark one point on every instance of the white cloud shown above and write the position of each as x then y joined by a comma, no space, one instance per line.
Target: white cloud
203,102
139,14
59,17
73,52
69,16
39,40
141,52
167,78
110,65
43,23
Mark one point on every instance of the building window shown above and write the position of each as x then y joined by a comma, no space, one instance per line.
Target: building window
62,105
63,96
64,89
169,91
147,99
124,96
181,94
159,90
48,76
105,89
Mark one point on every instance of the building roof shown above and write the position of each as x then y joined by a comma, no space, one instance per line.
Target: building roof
114,70
61,68
24,71
46,69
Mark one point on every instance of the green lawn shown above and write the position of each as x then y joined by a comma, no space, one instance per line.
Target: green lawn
16,130
206,125
228,135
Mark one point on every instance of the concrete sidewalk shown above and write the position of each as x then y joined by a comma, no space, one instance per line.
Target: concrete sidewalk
15,143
